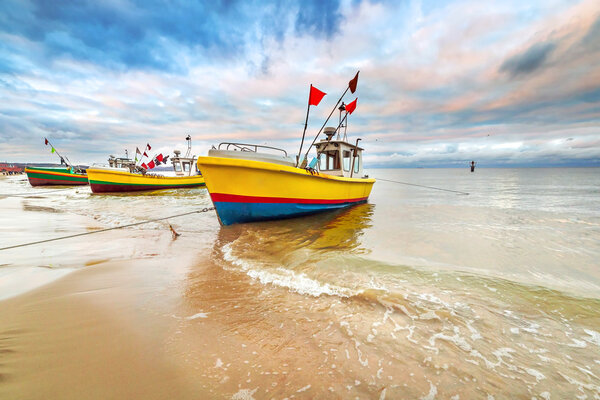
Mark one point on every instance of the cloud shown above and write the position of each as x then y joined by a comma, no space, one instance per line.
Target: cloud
529,61
99,77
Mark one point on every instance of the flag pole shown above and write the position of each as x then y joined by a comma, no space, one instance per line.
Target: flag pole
325,123
305,125
57,153
332,111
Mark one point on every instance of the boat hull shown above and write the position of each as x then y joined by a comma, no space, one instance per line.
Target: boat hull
249,191
54,176
104,180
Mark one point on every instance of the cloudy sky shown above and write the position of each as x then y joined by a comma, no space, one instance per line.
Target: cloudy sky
441,83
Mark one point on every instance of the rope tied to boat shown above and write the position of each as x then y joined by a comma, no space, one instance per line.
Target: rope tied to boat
424,186
203,210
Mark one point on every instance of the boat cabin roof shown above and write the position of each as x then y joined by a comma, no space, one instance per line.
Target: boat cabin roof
334,144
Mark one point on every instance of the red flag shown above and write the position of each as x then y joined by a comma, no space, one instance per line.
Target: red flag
350,107
137,151
151,164
159,157
315,96
352,84
150,148
46,140
145,154
144,166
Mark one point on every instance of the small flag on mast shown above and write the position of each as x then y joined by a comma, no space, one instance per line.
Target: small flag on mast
352,84
315,96
150,148
350,107
137,151
53,150
46,140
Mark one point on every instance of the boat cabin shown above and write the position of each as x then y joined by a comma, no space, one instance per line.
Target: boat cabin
184,166
338,157
121,162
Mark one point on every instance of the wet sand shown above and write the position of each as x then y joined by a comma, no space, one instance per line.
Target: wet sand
93,334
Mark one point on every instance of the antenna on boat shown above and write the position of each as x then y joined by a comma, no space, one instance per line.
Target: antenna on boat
341,108
352,87
189,144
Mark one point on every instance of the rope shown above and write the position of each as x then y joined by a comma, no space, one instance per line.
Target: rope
31,194
423,186
106,229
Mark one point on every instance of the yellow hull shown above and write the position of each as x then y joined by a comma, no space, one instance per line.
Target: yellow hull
109,180
248,190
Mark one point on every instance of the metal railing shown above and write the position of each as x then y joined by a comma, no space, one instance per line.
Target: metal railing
247,147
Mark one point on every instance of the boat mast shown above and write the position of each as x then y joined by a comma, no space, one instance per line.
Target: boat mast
189,144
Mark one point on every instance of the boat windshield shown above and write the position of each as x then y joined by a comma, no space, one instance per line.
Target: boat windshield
177,166
329,161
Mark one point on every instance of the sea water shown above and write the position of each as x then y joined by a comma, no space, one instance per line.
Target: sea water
419,293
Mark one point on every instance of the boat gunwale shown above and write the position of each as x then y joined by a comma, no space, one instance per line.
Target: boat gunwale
28,170
136,175
261,165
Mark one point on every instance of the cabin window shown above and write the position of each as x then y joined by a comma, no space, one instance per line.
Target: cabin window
329,160
177,166
186,167
347,160
356,164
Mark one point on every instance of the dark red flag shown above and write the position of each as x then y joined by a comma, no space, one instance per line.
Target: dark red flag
151,164
315,96
144,166
150,148
352,84
145,154
46,140
159,157
350,107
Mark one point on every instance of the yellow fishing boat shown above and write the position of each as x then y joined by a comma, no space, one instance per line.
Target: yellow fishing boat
123,175
246,190
256,183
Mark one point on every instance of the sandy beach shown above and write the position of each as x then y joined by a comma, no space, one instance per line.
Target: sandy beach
409,296
96,333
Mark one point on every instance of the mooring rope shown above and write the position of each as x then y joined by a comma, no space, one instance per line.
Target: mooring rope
106,229
423,186
32,194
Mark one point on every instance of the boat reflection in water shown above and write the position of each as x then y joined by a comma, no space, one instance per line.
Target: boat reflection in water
249,317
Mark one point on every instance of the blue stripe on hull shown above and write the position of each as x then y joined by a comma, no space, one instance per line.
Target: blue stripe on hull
236,213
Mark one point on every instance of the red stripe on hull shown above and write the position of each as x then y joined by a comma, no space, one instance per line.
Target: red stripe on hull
234,198
46,182
101,188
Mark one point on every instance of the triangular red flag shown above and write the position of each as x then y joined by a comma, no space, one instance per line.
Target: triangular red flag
144,166
350,107
159,157
145,154
46,140
352,84
315,96
150,148
151,164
